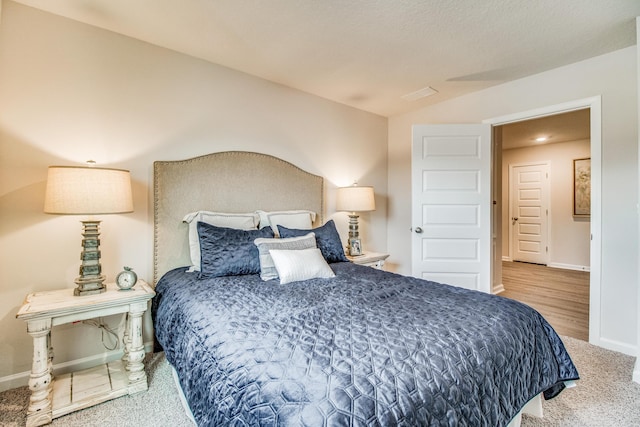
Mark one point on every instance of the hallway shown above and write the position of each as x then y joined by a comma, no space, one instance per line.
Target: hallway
561,296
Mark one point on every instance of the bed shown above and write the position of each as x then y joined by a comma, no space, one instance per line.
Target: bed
349,346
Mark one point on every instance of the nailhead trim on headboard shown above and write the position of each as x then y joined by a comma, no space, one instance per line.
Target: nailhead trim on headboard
231,181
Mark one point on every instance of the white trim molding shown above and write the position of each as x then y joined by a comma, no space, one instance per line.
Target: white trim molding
618,346
636,370
569,266
594,104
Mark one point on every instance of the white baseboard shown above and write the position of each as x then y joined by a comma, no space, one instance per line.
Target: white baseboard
636,371
620,347
569,266
559,265
21,379
14,381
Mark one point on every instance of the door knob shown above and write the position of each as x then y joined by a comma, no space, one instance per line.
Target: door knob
418,230
514,218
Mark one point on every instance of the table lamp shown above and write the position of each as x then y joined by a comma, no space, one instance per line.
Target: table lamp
78,190
355,199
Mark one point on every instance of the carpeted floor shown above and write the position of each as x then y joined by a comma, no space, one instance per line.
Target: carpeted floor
159,406
605,396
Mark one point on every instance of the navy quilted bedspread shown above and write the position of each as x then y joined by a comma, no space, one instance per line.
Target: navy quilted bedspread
365,348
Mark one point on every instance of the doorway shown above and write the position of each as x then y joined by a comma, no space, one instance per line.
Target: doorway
558,230
489,271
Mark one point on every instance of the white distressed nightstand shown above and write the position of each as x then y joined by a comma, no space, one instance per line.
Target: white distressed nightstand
70,392
370,259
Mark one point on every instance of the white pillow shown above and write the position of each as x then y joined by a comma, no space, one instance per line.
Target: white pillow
298,219
240,221
304,264
267,267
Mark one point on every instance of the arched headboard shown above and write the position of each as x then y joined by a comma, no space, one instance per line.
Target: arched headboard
232,181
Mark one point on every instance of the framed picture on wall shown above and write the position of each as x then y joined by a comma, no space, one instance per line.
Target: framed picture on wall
582,187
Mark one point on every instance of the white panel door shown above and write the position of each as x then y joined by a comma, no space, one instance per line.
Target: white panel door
529,210
451,204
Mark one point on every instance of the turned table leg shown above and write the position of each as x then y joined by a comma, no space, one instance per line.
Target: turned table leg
134,349
126,339
39,411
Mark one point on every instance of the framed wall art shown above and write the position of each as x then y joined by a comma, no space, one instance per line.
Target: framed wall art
582,188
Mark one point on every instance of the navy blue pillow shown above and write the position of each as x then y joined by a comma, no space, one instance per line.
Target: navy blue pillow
327,239
228,251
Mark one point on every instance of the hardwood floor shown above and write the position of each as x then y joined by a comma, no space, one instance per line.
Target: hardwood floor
561,296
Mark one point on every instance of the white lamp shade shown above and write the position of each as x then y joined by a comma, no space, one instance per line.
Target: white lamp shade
79,190
355,199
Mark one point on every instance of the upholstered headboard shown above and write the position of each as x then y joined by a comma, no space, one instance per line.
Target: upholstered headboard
233,181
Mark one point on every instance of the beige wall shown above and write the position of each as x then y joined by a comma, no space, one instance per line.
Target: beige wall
568,236
612,76
70,92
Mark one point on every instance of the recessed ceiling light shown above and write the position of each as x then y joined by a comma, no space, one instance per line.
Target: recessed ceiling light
422,93
541,139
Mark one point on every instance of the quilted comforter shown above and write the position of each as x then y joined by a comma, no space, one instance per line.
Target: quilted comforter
367,347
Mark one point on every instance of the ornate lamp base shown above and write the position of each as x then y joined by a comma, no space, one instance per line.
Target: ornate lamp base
353,226
353,234
90,281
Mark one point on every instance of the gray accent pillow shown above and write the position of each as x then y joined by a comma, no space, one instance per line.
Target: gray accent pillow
327,238
267,266
228,251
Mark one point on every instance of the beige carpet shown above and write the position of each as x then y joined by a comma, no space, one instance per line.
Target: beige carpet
159,406
605,396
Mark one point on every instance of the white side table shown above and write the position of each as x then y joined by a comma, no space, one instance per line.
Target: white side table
370,259
70,392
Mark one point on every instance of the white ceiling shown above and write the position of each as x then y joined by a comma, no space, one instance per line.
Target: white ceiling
572,126
369,53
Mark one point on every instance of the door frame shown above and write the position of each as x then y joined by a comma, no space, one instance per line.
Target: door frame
547,202
595,107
